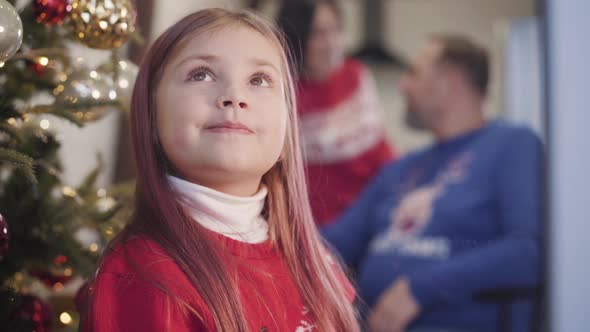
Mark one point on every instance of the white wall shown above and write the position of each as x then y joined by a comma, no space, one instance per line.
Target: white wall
523,74
412,21
569,159
80,146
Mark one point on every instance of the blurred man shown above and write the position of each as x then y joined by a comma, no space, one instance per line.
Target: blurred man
441,226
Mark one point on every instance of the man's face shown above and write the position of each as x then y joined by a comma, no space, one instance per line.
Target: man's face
424,87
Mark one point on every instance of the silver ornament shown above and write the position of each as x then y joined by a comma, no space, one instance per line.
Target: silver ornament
127,72
11,31
85,86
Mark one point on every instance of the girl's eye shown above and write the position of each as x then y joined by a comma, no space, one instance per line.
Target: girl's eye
261,80
200,75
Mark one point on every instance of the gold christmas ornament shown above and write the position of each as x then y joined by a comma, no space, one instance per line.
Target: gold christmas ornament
84,86
103,24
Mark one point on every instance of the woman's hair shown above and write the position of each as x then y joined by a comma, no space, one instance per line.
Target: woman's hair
161,218
295,19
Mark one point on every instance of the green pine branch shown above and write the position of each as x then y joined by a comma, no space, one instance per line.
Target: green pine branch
59,112
43,217
7,111
11,131
20,161
87,186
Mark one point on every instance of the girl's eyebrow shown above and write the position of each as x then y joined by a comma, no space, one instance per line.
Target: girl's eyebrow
264,63
204,57
214,58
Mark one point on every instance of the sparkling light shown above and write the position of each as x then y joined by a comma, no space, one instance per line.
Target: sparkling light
44,124
44,61
65,318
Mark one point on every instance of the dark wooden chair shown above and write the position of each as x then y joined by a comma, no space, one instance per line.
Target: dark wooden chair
506,297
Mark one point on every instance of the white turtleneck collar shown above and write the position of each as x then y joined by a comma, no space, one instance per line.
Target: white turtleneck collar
236,217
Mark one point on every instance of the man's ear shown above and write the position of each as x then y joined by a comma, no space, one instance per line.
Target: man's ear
455,77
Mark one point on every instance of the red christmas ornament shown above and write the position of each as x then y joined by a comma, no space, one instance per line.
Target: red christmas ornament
57,274
51,278
3,237
60,260
36,310
51,12
36,67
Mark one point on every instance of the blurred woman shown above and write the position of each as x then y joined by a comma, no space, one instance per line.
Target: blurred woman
341,118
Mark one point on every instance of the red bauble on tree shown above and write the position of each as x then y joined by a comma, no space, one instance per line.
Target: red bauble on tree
3,237
51,278
51,11
36,67
36,310
56,274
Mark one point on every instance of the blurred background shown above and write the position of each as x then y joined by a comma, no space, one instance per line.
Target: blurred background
507,28
59,214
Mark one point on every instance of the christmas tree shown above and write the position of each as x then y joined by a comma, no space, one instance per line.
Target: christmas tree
50,233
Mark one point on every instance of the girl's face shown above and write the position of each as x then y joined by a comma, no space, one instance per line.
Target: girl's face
325,50
221,109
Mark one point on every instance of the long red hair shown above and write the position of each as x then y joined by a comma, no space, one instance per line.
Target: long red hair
159,216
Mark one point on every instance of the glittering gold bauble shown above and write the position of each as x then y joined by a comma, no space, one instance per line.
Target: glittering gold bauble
103,24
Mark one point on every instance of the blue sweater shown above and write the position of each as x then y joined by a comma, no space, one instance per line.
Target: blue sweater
457,218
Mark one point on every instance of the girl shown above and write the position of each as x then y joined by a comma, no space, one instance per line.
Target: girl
341,119
222,238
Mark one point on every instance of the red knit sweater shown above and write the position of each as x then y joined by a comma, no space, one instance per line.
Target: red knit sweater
343,137
122,300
